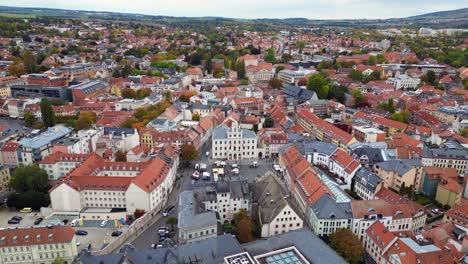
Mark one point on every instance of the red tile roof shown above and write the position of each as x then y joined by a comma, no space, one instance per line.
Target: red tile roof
10,146
380,235
36,236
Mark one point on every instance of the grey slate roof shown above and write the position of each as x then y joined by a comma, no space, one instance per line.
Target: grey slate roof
269,195
210,251
320,147
220,132
326,208
399,166
374,155
190,216
298,93
311,247
367,178
445,153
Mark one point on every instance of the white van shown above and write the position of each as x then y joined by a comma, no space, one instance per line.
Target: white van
75,222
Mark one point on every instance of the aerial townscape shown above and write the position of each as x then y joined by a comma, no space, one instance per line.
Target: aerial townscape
137,138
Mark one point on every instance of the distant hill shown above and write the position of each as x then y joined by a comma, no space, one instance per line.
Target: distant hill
452,19
458,13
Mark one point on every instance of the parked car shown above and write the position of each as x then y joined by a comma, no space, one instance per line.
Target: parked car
103,223
26,210
168,210
38,220
435,211
116,233
163,230
19,218
81,233
65,221
75,222
13,221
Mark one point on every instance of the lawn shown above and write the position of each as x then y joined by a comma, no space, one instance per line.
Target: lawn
421,199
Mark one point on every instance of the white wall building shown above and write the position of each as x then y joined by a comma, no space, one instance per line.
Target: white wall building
37,245
97,183
404,82
233,143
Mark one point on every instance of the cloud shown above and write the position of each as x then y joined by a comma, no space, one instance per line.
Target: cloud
314,9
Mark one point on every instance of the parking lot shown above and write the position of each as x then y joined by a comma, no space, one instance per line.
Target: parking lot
12,127
97,236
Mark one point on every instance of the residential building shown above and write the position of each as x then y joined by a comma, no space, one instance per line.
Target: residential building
38,244
458,214
9,152
233,143
431,178
327,215
449,192
270,140
227,199
275,212
398,173
195,223
32,150
389,126
368,134
322,130
445,157
396,217
367,184
116,138
4,178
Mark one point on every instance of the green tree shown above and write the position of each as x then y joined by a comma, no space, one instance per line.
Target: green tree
275,83
47,113
58,260
29,178
120,156
269,122
319,85
188,152
347,245
388,106
240,68
270,57
464,132
301,45
286,57
196,117
358,97
29,119
402,116
372,60
172,221
355,75
30,61
431,77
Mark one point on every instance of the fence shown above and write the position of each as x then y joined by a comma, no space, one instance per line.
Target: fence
137,227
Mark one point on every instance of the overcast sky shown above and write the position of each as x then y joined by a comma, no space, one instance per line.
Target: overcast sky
319,9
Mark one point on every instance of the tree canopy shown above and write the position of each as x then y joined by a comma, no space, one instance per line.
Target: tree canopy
347,245
47,113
